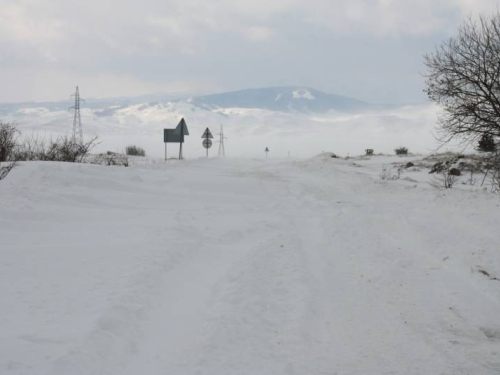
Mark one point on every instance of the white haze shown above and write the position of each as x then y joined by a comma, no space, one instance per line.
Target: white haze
249,131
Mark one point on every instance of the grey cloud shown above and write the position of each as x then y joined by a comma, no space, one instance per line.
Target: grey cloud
361,48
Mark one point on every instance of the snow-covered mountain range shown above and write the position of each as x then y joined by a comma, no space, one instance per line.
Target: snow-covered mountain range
283,99
301,120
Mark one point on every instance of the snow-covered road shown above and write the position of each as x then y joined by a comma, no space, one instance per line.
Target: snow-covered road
245,267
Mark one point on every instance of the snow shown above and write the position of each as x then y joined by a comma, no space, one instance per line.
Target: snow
246,266
303,94
249,131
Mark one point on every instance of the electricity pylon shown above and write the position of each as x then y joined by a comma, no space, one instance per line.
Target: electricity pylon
77,120
222,150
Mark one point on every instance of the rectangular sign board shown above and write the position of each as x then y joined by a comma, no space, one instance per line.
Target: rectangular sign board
170,136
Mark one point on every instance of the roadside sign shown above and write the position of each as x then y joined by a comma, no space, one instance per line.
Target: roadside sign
181,128
207,134
207,143
175,136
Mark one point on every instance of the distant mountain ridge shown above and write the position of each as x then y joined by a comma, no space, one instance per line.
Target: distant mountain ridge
102,104
282,99
288,99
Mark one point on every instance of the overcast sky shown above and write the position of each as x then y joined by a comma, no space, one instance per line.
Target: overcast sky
366,49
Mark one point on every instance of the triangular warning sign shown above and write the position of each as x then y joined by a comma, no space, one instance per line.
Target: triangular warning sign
207,134
181,128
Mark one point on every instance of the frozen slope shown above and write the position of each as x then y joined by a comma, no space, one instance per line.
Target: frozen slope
244,267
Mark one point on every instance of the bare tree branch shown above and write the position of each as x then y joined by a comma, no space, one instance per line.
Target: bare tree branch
463,78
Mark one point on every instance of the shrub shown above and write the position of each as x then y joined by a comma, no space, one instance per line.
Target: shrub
68,150
8,136
369,151
110,158
386,173
447,176
5,168
401,151
486,143
59,149
493,169
135,151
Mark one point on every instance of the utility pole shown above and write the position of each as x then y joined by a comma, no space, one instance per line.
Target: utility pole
222,150
77,119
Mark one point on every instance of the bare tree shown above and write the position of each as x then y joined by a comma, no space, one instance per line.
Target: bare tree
464,79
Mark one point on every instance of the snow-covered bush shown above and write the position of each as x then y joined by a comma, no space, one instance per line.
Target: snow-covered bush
110,158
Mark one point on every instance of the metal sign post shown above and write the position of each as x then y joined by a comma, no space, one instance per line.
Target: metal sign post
180,146
207,142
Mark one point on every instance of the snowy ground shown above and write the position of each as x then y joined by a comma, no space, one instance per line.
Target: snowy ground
246,267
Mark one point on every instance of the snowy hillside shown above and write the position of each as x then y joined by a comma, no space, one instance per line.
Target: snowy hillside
252,119
220,266
283,99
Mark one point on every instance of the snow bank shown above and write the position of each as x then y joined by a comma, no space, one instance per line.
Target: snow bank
245,266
